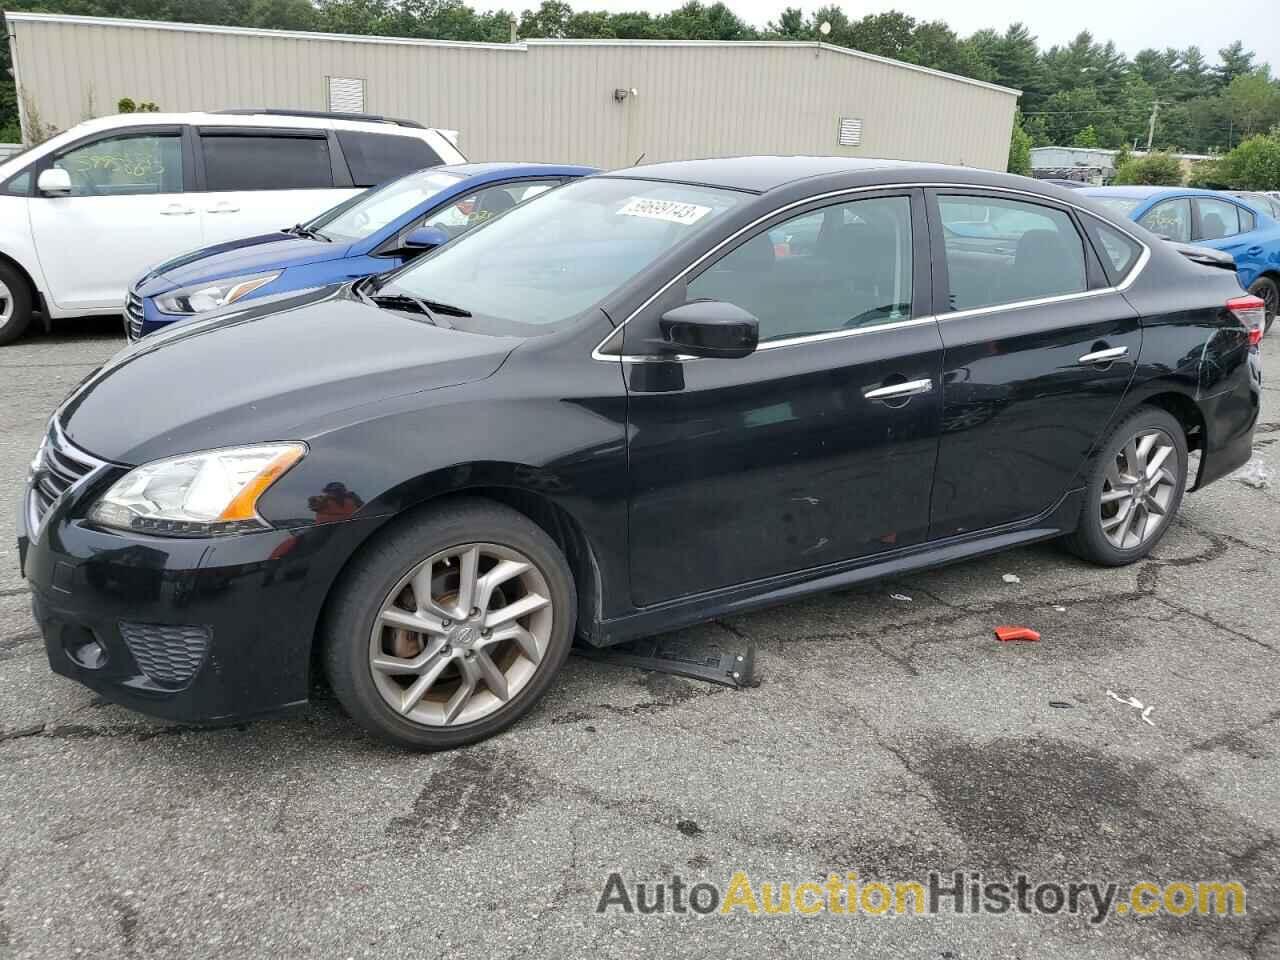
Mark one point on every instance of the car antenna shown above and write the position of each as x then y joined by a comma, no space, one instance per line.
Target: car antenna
639,158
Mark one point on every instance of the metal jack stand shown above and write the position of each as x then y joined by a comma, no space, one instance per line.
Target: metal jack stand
730,668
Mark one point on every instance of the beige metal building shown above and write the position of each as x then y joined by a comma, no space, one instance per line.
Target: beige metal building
602,102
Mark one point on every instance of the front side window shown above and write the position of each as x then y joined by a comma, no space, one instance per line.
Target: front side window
1004,251
1170,219
476,208
546,263
1218,218
18,185
372,210
839,268
266,163
123,166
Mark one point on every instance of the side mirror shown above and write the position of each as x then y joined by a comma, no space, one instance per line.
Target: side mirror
55,182
710,328
423,239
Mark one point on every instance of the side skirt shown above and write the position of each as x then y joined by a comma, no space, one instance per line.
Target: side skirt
1058,520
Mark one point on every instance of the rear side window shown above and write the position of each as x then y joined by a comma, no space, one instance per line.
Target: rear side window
266,163
1218,218
1003,251
1170,219
1119,251
375,158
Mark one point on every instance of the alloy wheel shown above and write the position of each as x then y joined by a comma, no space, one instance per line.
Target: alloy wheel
6,303
1138,489
461,634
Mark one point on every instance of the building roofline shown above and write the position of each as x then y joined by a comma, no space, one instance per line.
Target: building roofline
521,46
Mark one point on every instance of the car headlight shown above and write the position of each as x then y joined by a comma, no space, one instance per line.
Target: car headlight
205,494
202,297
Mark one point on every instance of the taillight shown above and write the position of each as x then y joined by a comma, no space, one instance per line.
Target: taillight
1252,312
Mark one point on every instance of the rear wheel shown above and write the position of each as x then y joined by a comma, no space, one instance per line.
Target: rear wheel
15,304
1269,291
1134,490
450,627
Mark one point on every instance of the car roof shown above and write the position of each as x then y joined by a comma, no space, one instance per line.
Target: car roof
495,170
761,174
277,120
1146,192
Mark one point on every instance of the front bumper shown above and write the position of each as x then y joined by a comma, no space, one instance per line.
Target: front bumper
188,630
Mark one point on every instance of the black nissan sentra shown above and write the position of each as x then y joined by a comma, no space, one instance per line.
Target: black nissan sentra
643,400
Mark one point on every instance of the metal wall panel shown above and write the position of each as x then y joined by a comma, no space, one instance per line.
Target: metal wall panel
538,100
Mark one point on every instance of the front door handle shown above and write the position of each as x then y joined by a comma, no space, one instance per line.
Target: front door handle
1104,356
896,391
1254,251
177,210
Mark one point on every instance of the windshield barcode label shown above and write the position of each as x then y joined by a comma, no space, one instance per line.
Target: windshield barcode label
672,211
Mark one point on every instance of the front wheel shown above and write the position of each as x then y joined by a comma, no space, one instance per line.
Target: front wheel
1135,487
1269,292
15,304
451,626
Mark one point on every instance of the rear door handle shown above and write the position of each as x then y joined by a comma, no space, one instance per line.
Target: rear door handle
896,391
1104,356
224,208
177,210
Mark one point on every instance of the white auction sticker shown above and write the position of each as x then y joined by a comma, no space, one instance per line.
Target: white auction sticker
670,210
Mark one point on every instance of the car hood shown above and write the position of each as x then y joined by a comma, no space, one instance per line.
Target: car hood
262,373
261,254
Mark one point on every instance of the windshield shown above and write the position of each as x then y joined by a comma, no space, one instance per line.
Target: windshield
372,210
546,262
1124,205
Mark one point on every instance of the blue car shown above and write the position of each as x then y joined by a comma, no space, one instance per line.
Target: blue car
1238,225
373,232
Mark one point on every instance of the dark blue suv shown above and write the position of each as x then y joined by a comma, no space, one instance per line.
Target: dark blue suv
373,232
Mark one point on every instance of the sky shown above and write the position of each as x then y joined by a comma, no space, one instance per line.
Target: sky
1133,25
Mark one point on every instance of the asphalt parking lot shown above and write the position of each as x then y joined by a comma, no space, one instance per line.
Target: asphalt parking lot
889,737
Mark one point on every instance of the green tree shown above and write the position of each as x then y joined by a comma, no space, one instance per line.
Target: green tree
1088,137
1019,149
1254,164
790,25
1253,102
1236,62
1155,169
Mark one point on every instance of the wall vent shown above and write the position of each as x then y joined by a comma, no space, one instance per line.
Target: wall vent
346,94
849,132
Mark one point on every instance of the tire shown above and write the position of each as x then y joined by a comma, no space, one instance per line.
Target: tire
15,304
1144,527
376,668
1269,291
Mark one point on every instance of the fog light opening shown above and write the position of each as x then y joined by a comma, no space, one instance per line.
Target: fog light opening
83,648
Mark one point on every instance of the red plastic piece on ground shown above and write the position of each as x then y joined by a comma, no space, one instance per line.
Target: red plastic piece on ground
1008,634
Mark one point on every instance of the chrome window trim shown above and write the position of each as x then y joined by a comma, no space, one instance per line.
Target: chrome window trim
1124,284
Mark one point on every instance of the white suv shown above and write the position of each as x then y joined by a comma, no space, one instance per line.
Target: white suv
88,211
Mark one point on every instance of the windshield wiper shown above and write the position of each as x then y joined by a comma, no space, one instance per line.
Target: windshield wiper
400,301
435,306
302,230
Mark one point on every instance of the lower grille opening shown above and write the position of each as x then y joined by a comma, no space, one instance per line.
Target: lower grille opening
168,655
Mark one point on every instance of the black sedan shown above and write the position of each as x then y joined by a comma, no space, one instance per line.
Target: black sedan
643,400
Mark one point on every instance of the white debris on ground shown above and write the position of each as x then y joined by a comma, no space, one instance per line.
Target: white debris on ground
1254,474
1011,578
900,596
1145,711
